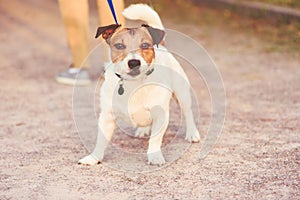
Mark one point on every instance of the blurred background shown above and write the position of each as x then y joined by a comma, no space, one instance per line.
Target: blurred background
34,28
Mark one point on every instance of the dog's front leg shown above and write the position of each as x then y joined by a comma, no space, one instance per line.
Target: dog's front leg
160,121
106,126
182,91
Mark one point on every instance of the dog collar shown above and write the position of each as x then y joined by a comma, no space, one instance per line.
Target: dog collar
121,89
149,71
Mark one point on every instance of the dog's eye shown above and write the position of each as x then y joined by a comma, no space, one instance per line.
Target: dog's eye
145,45
120,46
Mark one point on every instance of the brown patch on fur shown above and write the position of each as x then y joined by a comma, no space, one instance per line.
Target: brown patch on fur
132,40
148,55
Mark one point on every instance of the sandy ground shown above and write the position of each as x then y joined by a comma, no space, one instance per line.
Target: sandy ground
256,157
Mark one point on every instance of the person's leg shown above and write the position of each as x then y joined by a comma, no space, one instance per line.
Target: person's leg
75,15
106,17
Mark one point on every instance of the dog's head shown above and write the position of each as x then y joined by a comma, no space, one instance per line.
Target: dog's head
132,49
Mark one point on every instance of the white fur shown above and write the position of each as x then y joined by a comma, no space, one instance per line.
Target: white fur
145,13
145,103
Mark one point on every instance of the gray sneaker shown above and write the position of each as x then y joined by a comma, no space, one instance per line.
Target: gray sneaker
73,76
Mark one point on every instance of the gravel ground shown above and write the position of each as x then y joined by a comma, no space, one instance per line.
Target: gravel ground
256,157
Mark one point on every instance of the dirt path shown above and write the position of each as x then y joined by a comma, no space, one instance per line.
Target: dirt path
257,155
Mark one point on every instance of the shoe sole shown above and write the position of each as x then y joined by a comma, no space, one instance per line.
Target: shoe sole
68,81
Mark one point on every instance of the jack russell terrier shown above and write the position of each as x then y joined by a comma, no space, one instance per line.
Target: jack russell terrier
139,84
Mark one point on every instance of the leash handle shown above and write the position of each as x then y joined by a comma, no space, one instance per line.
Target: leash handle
112,9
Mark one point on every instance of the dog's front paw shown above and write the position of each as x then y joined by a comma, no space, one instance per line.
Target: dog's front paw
193,136
142,131
156,158
89,160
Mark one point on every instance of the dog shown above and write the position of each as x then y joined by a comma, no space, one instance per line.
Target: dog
139,83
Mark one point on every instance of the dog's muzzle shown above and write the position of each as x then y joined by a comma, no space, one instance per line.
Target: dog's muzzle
134,63
134,66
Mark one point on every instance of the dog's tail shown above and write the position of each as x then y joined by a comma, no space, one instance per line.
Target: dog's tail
144,13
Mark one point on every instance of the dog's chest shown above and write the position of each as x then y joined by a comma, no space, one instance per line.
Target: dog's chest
135,105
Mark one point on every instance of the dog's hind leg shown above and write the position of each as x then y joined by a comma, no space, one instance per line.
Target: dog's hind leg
106,126
142,131
160,123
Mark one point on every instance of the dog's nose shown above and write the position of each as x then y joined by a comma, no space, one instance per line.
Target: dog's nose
133,63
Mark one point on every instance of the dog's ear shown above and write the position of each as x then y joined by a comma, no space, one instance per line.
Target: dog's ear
156,34
107,31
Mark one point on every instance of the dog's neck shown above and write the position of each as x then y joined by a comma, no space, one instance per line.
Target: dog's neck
121,89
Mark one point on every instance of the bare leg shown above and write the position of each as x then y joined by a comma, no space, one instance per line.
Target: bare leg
75,16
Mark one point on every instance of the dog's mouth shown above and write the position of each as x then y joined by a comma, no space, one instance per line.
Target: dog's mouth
134,72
